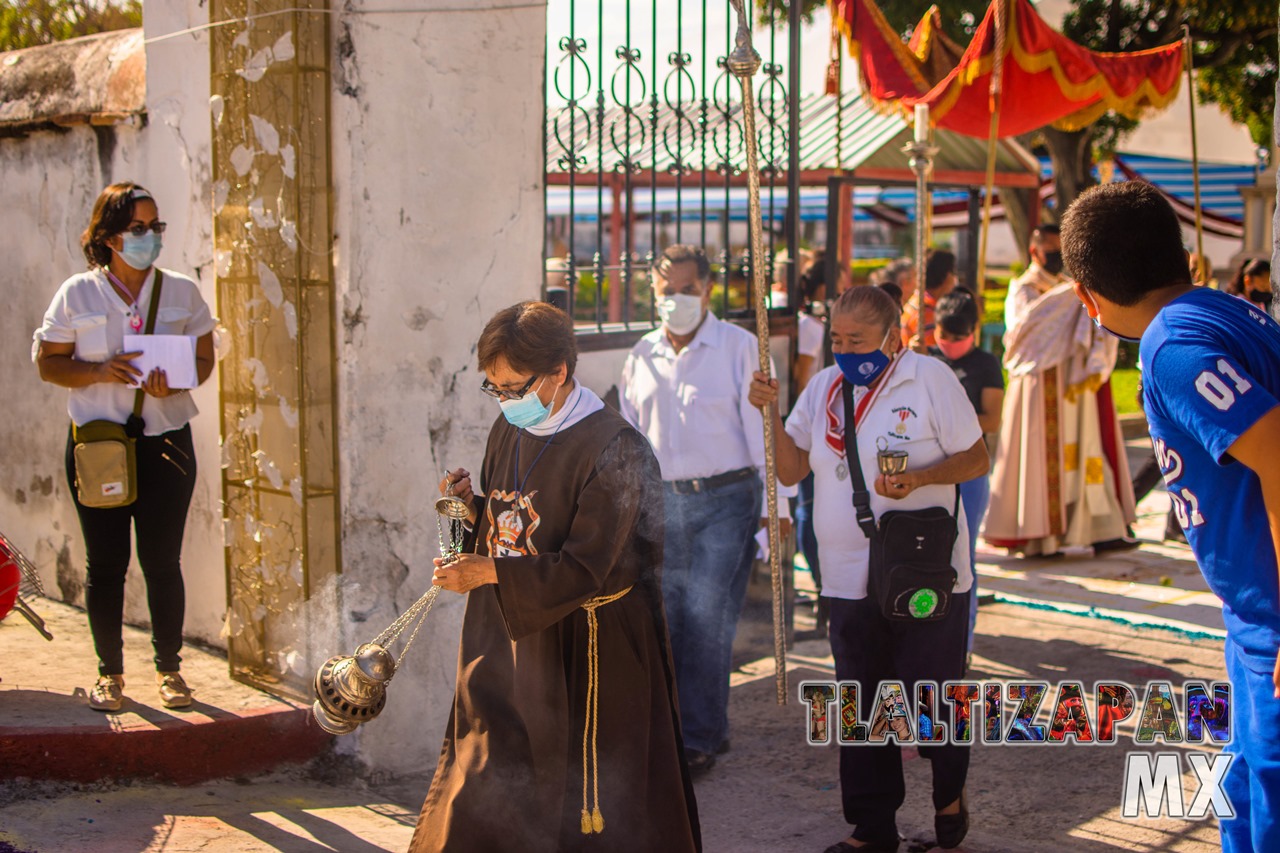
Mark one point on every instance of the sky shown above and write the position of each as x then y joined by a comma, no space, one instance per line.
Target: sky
815,39
1166,134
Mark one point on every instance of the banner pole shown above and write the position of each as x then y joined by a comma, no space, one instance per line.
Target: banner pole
1195,145
743,63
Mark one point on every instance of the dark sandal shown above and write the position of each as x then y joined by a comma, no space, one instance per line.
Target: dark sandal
952,828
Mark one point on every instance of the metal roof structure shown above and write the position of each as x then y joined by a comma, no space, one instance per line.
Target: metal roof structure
699,137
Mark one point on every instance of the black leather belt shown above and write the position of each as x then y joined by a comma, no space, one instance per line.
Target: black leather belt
702,484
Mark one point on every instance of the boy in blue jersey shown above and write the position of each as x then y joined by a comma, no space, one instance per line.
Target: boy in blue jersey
1211,385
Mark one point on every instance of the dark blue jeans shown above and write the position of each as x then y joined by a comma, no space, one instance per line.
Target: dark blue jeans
1253,780
706,565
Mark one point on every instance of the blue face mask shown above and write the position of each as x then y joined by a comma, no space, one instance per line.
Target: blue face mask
864,368
528,411
140,252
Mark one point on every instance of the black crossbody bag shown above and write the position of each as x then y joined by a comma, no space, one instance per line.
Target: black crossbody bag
910,573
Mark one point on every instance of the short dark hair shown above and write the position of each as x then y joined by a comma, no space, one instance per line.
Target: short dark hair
683,253
939,264
1046,230
893,290
1123,240
814,275
112,213
1248,266
957,313
533,337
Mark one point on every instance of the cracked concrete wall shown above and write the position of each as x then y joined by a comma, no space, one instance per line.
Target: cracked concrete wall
437,165
50,183
43,210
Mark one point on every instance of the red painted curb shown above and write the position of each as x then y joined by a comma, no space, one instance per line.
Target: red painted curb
183,754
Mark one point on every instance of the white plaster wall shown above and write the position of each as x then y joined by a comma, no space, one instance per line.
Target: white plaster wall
50,183
43,210
602,370
175,164
437,167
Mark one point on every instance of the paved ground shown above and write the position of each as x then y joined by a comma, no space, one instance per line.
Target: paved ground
1080,619
46,730
36,693
770,793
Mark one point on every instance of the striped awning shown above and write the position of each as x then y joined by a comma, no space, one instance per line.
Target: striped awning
1222,205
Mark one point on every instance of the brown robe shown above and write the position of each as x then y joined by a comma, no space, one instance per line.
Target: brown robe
587,522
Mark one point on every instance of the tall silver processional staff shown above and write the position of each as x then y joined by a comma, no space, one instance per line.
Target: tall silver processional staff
743,63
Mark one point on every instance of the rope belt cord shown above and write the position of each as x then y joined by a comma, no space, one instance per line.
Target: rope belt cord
592,819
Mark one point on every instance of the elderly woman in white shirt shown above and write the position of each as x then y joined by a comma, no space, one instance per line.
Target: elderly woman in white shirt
80,346
914,403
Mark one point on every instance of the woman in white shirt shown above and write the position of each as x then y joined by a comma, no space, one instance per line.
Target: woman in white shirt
914,403
80,346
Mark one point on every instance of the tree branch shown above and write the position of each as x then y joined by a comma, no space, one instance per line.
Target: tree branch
1227,45
1171,27
1113,26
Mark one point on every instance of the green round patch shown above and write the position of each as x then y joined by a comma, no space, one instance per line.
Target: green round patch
923,602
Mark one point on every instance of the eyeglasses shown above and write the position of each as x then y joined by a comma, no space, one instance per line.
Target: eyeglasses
139,230
502,393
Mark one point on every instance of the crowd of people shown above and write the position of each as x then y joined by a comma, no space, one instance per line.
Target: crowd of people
608,551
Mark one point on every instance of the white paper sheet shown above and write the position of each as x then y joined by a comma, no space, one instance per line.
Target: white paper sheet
762,544
174,354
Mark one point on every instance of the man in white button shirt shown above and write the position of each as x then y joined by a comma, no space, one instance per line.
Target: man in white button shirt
684,385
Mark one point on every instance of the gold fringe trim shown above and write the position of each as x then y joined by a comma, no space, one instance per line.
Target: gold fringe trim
1145,99
927,32
1090,386
906,58
592,819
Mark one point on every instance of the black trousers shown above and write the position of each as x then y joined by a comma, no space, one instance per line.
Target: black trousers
869,649
166,480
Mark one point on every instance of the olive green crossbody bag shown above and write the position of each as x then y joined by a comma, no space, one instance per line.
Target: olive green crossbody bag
106,452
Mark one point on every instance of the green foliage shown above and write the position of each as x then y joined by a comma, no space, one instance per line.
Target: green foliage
1245,88
1124,390
993,296
959,17
28,23
863,268
586,293
1234,50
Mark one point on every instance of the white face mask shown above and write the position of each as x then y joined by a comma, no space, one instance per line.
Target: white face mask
680,312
